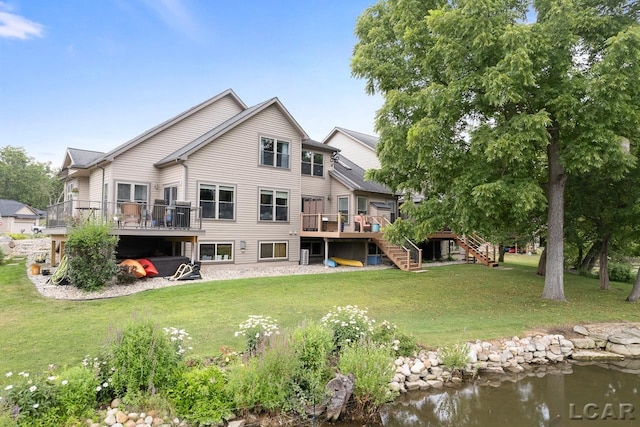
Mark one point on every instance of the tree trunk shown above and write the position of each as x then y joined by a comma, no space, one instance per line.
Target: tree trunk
542,263
501,255
604,264
554,273
634,296
589,261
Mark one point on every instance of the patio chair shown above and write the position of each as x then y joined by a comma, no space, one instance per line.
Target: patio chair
131,213
361,223
159,213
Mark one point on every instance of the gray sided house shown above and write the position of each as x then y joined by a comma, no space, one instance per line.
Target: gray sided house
224,184
16,217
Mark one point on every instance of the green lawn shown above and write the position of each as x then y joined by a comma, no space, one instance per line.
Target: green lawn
440,306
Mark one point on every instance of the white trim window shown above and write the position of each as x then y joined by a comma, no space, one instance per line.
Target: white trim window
343,208
217,201
274,152
216,251
273,250
312,163
274,205
362,206
131,192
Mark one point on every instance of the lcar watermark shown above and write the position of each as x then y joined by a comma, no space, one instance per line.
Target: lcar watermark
607,411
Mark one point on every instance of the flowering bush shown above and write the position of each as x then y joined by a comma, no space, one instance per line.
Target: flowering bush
349,324
257,329
26,397
177,338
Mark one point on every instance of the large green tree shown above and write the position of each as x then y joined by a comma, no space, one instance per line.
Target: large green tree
24,179
490,105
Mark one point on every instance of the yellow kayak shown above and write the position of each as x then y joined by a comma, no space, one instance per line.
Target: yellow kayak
350,262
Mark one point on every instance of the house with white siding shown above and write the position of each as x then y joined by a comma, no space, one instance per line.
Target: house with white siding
224,183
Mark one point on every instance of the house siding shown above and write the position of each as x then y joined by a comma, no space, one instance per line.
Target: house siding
360,154
134,165
233,159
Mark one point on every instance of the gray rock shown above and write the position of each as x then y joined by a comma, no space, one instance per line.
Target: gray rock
493,370
436,371
110,420
632,350
581,330
412,385
493,357
394,386
624,339
584,343
595,355
435,383
417,367
237,423
412,378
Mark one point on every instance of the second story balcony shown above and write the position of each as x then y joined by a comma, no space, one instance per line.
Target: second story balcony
126,217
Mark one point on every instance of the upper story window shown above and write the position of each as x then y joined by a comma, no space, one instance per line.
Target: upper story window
362,206
217,201
131,192
274,205
312,163
274,152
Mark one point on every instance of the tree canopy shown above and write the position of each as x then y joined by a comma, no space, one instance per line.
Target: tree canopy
490,105
25,180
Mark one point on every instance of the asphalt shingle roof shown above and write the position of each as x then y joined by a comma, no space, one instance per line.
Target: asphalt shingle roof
352,176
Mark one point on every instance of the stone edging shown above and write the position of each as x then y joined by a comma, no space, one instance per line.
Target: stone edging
598,342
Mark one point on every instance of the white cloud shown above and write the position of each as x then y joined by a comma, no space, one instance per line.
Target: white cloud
16,26
175,15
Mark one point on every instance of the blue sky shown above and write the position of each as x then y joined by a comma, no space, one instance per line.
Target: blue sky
93,74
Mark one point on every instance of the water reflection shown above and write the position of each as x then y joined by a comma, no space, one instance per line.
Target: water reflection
574,396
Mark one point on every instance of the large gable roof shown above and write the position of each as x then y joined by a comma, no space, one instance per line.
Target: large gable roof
185,151
352,176
369,141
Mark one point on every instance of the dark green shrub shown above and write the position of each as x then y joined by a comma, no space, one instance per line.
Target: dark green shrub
201,397
91,255
142,361
372,366
621,272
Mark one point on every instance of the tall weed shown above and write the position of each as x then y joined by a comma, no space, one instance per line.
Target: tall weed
372,366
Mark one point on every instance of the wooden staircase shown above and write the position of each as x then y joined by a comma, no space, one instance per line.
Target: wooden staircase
401,256
474,246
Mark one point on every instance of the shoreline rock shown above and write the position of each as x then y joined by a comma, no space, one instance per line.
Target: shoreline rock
602,342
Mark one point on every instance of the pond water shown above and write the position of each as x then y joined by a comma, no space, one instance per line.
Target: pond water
571,396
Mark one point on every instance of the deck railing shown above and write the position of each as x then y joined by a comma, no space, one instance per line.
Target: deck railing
178,215
323,222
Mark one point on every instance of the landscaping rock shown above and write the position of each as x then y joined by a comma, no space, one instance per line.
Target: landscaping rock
632,350
237,423
595,355
624,339
581,330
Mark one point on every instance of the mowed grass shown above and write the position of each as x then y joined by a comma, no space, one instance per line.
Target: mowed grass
440,306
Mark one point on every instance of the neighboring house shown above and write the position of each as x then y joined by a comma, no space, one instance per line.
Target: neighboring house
224,183
16,217
357,146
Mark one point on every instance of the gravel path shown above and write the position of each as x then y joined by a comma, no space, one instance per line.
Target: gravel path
30,248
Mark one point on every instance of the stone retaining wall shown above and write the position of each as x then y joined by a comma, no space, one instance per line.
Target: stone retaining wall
607,342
